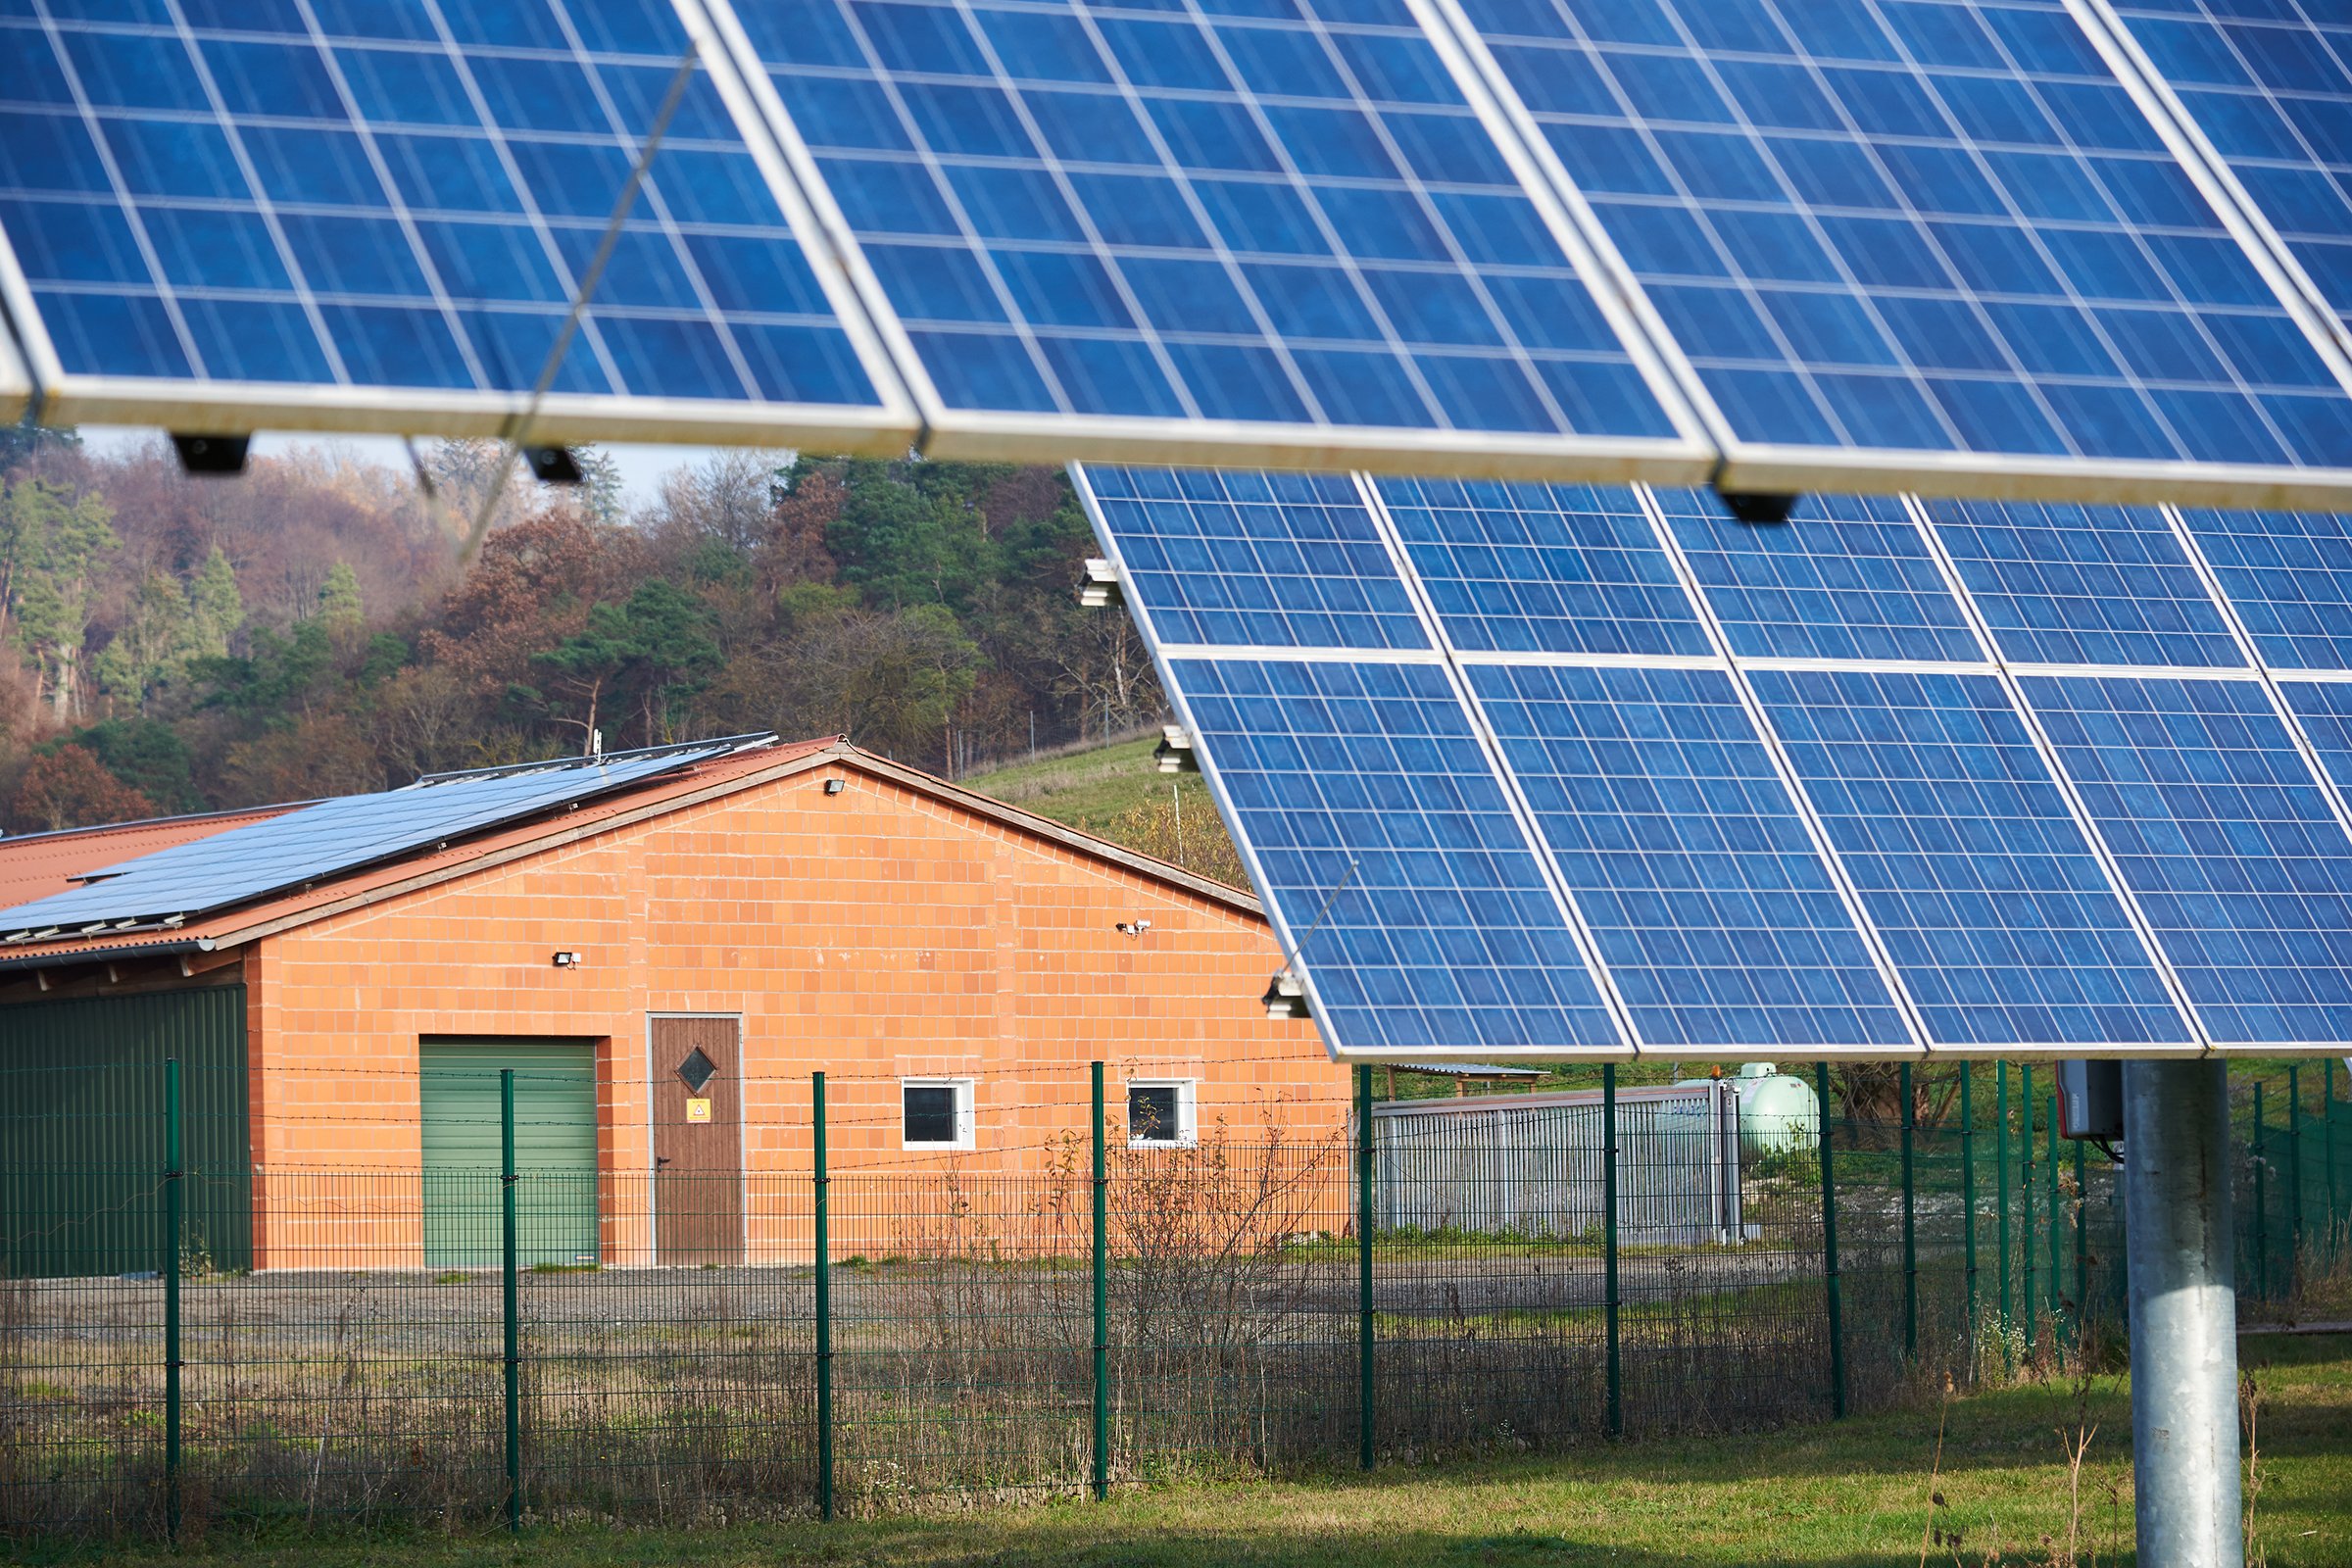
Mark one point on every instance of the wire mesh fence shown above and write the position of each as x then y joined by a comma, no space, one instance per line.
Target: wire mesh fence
480,1338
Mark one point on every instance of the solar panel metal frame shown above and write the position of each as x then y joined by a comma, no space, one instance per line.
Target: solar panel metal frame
1778,470
203,407
16,385
982,435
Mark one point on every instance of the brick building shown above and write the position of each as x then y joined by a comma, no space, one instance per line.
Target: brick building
664,962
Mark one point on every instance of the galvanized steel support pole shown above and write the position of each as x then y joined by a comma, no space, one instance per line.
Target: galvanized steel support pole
1608,1245
819,1199
2184,1314
1910,1221
1365,1406
2295,1176
2000,1198
1968,1203
172,1187
509,1243
1102,1473
2025,1113
1829,1249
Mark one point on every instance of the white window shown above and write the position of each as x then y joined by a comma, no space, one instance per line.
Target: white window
935,1112
1162,1112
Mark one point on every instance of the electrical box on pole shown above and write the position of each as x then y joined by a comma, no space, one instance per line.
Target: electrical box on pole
2091,1100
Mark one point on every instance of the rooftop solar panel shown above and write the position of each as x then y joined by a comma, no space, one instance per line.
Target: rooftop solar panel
1269,560
2226,839
2289,577
2085,585
1972,867
1846,577
1714,913
1928,244
379,216
325,840
1233,234
1396,870
1533,569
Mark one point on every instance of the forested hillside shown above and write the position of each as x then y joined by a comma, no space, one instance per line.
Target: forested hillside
172,644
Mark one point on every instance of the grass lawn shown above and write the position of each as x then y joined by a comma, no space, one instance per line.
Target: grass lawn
1847,1495
1091,788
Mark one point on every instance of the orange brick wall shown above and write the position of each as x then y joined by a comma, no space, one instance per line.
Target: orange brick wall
875,934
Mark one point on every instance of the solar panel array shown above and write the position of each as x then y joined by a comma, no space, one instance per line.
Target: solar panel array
2011,247
323,841
1603,769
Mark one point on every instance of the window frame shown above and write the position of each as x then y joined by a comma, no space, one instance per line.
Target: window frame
1188,1113
967,1094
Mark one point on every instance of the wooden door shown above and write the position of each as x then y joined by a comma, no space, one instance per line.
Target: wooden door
698,1141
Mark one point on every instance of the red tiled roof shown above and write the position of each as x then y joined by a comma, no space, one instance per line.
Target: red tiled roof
34,866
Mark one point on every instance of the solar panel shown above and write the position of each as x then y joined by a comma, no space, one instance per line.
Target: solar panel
2267,87
2225,840
1542,568
2085,585
1236,234
1930,244
1846,577
1269,560
378,216
2289,577
1991,902
327,840
1395,867
1715,916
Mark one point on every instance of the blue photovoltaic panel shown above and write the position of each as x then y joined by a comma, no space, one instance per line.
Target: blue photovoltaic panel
1997,914
2270,83
1252,558
1845,577
397,196
1362,787
2289,576
1932,225
2085,585
2227,840
1282,213
1714,913
2325,711
321,840
1543,569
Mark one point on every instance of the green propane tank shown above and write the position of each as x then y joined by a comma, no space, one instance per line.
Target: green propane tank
1778,1112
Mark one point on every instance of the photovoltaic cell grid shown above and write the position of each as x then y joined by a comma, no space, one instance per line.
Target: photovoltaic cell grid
1714,913
321,841
1994,908
1279,216
2270,85
1923,225
2085,585
1388,849
2289,577
1247,557
2225,840
1542,568
399,199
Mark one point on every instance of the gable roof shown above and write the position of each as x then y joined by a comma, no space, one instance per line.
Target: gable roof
35,865
682,788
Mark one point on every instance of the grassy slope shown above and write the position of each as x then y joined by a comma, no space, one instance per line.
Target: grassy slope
1830,1496
1088,789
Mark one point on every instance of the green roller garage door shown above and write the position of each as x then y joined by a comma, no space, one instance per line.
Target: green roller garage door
554,1150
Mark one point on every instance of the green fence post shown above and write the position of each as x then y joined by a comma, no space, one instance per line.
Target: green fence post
2261,1211
821,1197
1101,1477
512,1246
1365,1392
2294,1175
172,1187
2000,1198
1608,1245
1910,1222
1968,1204
2057,1242
2336,1212
2081,1242
1829,1249
2024,1193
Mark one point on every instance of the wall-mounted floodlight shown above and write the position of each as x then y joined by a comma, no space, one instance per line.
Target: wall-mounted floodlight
1100,587
1285,997
1174,753
213,456
1132,929
570,959
834,786
553,466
